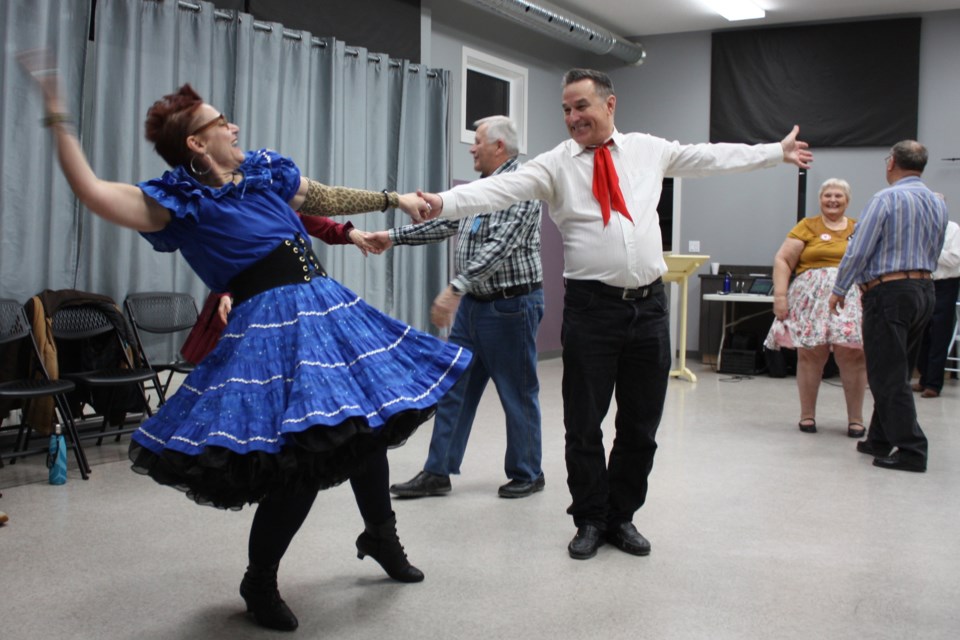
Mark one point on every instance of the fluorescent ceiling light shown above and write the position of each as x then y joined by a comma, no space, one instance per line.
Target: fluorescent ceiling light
734,10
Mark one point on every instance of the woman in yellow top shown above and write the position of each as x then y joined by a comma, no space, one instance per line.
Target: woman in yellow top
813,250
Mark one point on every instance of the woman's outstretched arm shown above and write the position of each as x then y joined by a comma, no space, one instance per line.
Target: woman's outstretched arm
316,199
117,202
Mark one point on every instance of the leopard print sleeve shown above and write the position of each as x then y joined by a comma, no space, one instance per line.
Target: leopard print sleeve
324,200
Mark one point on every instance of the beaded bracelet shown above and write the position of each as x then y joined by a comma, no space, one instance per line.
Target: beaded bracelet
55,118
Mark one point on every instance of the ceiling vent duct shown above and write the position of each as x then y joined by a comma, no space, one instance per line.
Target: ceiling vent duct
565,26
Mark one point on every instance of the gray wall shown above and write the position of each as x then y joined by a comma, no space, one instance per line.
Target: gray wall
738,219
454,25
742,219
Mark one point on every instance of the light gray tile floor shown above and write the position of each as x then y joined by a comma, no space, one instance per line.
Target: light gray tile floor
758,531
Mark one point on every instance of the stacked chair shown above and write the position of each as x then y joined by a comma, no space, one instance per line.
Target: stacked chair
28,381
162,314
95,353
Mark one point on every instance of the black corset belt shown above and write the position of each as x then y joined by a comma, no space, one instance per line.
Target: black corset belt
292,262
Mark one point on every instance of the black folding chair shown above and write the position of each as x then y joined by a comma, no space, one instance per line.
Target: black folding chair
162,314
115,383
17,341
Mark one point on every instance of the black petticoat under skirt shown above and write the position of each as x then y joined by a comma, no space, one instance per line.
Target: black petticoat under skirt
306,382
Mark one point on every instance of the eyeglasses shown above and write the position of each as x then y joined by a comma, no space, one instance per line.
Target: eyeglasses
220,120
887,157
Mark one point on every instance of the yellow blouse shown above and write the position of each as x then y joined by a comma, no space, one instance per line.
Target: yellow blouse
822,247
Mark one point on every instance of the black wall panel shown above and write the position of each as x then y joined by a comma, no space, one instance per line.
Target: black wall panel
383,26
851,84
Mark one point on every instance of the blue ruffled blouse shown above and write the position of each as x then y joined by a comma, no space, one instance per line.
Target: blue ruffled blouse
222,231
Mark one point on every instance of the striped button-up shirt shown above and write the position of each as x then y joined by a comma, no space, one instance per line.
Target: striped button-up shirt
495,250
901,229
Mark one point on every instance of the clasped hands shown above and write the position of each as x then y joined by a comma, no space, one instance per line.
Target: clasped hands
421,206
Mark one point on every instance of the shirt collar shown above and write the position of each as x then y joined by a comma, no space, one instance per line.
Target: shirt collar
906,179
508,165
617,137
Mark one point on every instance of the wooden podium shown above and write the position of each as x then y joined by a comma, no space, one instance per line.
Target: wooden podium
679,269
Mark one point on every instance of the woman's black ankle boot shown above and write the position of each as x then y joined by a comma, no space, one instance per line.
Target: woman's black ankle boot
259,591
381,543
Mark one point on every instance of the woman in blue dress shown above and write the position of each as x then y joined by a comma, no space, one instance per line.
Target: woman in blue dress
309,385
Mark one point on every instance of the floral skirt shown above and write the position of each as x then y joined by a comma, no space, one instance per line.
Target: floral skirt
307,380
809,322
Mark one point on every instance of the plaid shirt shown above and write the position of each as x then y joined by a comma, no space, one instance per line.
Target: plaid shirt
494,251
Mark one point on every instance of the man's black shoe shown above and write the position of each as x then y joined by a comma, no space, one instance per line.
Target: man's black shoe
898,462
867,447
626,538
423,484
585,544
521,488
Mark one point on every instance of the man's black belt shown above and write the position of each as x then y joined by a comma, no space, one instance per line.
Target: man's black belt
624,293
509,292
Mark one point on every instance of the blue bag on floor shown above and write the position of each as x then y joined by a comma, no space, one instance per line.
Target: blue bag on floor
57,458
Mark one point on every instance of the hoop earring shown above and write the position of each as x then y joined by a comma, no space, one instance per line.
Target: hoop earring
194,169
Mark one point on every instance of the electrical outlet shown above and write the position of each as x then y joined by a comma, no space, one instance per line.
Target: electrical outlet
694,246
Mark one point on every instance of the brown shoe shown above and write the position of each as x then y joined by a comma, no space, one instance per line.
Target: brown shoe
930,393
916,386
3,518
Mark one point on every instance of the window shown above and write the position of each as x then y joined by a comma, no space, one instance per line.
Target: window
490,87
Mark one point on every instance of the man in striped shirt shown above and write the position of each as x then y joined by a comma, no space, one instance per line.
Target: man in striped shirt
495,303
890,257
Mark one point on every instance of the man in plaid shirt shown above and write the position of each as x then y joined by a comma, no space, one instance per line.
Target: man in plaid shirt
495,303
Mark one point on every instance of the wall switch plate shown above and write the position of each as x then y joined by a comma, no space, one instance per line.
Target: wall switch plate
694,246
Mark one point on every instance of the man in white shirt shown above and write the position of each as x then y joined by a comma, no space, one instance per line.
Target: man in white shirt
603,187
939,331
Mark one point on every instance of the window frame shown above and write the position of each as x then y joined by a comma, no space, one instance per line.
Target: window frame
514,75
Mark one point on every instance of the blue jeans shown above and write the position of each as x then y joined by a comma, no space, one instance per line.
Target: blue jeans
503,338
622,346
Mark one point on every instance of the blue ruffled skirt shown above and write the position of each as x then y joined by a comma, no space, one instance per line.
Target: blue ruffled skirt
305,382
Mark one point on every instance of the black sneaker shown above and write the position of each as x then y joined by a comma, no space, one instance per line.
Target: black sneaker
626,538
521,488
875,450
585,544
422,485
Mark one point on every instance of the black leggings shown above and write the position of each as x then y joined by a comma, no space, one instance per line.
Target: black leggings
279,516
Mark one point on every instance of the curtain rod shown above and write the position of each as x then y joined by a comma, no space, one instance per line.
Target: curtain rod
318,42
224,14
